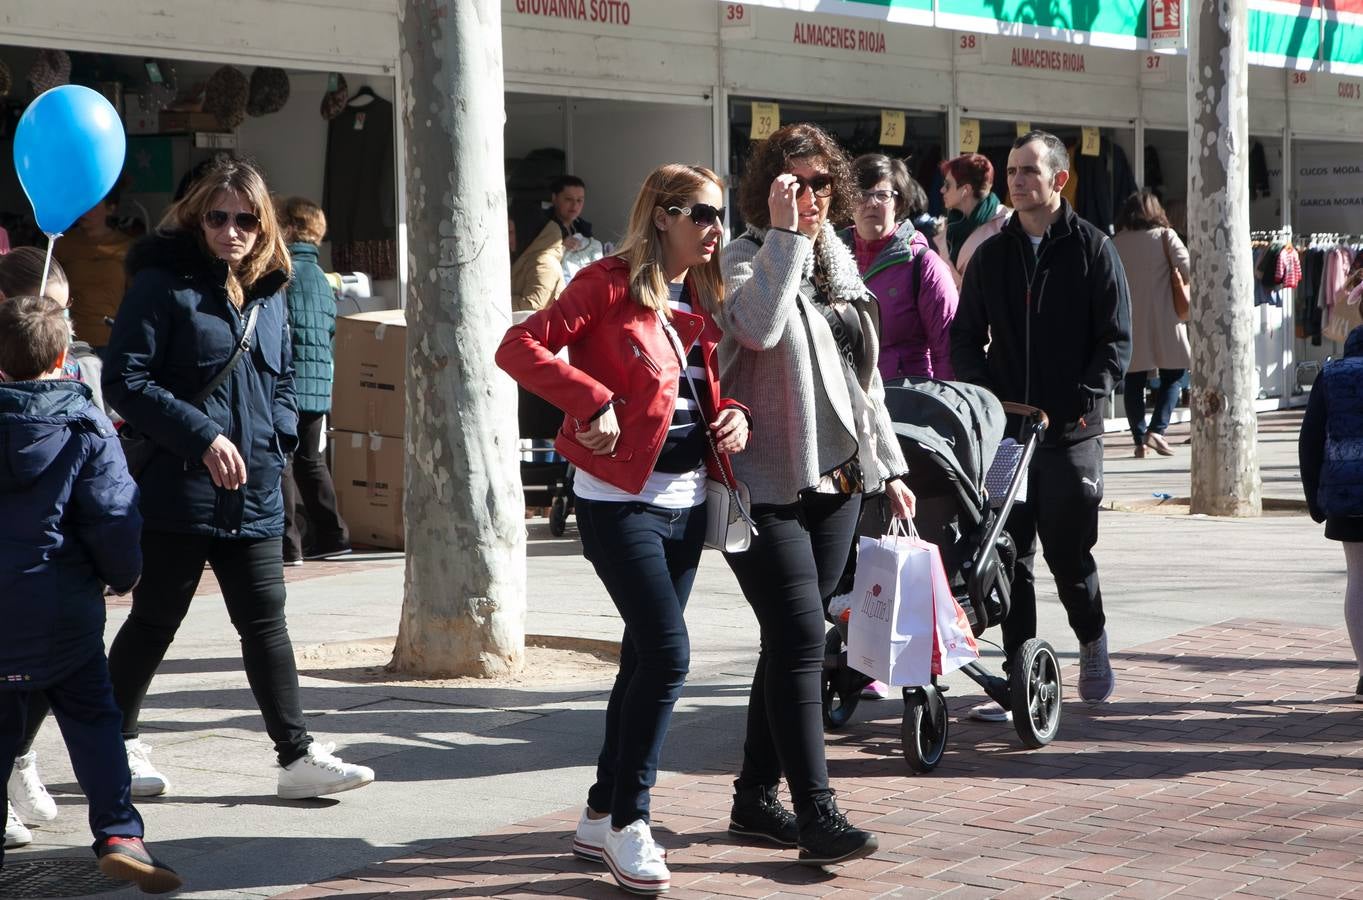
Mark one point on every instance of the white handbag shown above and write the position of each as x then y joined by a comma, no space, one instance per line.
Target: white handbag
728,525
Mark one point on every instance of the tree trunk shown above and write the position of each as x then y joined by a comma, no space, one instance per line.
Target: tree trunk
1225,462
463,610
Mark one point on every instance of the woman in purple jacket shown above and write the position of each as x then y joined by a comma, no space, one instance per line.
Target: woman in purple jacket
914,286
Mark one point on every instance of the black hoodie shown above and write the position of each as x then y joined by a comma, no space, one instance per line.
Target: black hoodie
175,330
1049,329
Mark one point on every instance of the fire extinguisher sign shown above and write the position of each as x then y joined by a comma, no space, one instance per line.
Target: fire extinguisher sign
1166,24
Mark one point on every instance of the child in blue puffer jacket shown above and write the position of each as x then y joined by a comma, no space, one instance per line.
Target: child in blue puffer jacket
69,525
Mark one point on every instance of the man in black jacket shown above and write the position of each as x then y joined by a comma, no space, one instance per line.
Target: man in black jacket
1045,319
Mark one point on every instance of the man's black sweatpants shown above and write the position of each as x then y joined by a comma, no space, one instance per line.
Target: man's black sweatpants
1064,489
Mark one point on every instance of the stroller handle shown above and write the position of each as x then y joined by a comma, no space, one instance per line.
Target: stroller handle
1034,413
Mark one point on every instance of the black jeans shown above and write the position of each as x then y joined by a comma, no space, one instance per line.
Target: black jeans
646,556
308,479
1064,489
1133,394
787,575
37,714
83,703
250,572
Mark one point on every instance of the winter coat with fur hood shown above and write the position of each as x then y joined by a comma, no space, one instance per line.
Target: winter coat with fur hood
780,359
175,331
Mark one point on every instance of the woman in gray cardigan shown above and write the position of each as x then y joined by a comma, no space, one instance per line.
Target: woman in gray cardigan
800,348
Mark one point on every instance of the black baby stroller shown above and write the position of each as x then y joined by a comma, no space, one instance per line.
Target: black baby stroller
950,434
546,477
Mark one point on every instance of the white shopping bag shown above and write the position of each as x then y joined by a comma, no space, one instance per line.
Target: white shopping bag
906,625
891,631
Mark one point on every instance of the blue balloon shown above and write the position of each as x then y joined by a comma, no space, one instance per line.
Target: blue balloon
68,150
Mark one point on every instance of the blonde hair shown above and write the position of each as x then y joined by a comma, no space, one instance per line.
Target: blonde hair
672,184
243,178
302,220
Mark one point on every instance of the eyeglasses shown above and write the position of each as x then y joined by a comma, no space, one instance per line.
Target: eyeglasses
703,214
217,218
819,185
879,198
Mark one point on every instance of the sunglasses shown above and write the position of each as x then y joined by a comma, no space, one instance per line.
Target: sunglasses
703,214
819,185
217,218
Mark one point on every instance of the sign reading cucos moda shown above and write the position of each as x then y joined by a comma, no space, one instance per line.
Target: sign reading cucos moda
1329,187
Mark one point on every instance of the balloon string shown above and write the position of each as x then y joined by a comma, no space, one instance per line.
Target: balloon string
47,264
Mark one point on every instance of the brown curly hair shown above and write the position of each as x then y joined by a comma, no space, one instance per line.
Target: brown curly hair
771,157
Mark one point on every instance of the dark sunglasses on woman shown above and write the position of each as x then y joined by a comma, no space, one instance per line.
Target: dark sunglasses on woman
820,185
703,214
217,218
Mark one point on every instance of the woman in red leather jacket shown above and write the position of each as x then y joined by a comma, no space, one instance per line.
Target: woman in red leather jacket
636,431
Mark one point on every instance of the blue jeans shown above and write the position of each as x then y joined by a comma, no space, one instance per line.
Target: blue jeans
646,556
92,726
1165,399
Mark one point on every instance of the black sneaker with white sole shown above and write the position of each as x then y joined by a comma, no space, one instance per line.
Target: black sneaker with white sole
826,837
757,813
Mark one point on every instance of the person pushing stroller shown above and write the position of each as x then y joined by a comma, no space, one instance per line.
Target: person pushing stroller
1045,319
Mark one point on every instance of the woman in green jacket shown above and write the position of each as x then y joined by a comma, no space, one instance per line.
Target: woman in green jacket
312,322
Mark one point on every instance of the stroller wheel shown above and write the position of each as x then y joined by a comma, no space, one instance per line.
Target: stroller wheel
1034,685
558,516
841,685
924,732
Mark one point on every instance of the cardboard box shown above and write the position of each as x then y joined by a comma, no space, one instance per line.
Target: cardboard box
171,120
367,471
369,393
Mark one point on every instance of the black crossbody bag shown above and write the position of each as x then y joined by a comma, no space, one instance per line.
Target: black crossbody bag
139,449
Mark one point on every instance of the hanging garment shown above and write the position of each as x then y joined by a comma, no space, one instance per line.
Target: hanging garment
358,193
1287,270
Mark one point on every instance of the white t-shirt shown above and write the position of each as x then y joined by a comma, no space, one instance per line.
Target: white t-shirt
670,490
1036,243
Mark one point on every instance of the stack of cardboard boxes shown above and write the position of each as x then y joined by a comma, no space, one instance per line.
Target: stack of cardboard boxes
368,412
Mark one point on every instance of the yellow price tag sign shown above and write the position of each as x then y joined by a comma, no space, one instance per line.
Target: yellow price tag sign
970,135
766,118
1023,128
891,128
1092,142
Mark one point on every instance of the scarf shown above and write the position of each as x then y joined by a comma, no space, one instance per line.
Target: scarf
960,227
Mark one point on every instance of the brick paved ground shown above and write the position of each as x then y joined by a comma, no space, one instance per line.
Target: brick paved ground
1227,764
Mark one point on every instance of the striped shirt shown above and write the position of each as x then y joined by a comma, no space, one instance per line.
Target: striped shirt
685,446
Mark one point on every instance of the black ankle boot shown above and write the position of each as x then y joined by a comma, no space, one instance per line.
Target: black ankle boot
757,813
826,837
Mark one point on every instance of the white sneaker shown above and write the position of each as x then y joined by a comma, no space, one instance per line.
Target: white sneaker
638,864
990,712
16,832
27,796
590,840
147,781
318,773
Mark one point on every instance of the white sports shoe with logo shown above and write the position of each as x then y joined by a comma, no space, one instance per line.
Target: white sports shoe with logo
27,795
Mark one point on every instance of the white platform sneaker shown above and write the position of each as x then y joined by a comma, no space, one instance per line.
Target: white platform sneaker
16,832
638,864
589,842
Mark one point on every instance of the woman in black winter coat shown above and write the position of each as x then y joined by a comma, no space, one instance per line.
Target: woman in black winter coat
210,491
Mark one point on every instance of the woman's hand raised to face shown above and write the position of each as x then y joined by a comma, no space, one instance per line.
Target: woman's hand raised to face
783,203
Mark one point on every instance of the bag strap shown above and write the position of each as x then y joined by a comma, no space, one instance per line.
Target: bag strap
675,340
243,347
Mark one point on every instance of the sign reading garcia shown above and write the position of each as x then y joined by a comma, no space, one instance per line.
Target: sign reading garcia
1329,188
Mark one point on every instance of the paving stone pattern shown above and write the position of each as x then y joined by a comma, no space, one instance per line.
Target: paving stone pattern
1227,764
